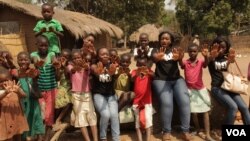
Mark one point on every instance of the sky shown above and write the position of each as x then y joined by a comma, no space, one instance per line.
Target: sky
169,7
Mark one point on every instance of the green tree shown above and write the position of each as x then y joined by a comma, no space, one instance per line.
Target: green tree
211,16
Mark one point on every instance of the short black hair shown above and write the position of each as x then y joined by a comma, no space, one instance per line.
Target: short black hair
143,34
66,50
42,36
23,53
192,45
75,51
125,55
112,49
48,4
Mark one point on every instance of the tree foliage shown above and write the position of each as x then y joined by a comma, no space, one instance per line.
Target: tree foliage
127,14
211,16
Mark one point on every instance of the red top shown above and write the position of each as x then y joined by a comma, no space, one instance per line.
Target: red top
142,89
193,74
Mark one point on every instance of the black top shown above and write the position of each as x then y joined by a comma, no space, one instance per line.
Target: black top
215,69
167,69
103,84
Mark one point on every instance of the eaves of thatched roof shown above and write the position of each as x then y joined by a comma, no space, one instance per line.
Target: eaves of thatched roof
150,29
77,24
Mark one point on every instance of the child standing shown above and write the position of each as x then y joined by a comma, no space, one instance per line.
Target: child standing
142,104
199,97
12,119
104,95
47,83
143,50
83,107
30,103
49,27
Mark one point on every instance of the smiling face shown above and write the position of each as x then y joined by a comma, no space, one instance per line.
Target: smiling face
76,57
23,61
165,40
89,41
103,55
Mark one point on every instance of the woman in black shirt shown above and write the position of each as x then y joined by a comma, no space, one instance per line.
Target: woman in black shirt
169,85
219,62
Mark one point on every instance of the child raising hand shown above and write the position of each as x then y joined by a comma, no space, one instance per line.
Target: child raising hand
12,120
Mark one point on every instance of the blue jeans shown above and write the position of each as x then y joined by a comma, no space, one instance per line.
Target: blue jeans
107,107
167,91
232,102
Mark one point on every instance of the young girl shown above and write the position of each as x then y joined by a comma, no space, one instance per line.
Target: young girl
83,107
104,95
199,97
63,96
220,58
142,104
30,104
12,119
47,83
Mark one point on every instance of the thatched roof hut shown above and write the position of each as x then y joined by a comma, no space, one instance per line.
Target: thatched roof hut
76,25
150,29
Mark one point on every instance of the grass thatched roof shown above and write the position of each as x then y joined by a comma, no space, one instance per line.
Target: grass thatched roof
76,23
150,29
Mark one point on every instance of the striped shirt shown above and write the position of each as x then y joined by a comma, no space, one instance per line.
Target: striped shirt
46,79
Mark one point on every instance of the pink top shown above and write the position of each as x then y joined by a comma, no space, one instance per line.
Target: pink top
80,80
193,74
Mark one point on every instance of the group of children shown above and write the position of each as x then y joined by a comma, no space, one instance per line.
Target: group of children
80,82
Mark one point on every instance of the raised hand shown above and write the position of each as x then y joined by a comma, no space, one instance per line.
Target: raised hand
176,54
160,54
63,61
51,29
99,68
39,63
32,72
15,86
82,63
114,59
144,70
214,51
57,64
204,50
43,30
8,86
231,55
112,69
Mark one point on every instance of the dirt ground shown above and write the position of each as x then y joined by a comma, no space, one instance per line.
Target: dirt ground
128,132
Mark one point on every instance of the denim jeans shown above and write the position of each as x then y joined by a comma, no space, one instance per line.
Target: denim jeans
232,102
107,107
167,91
